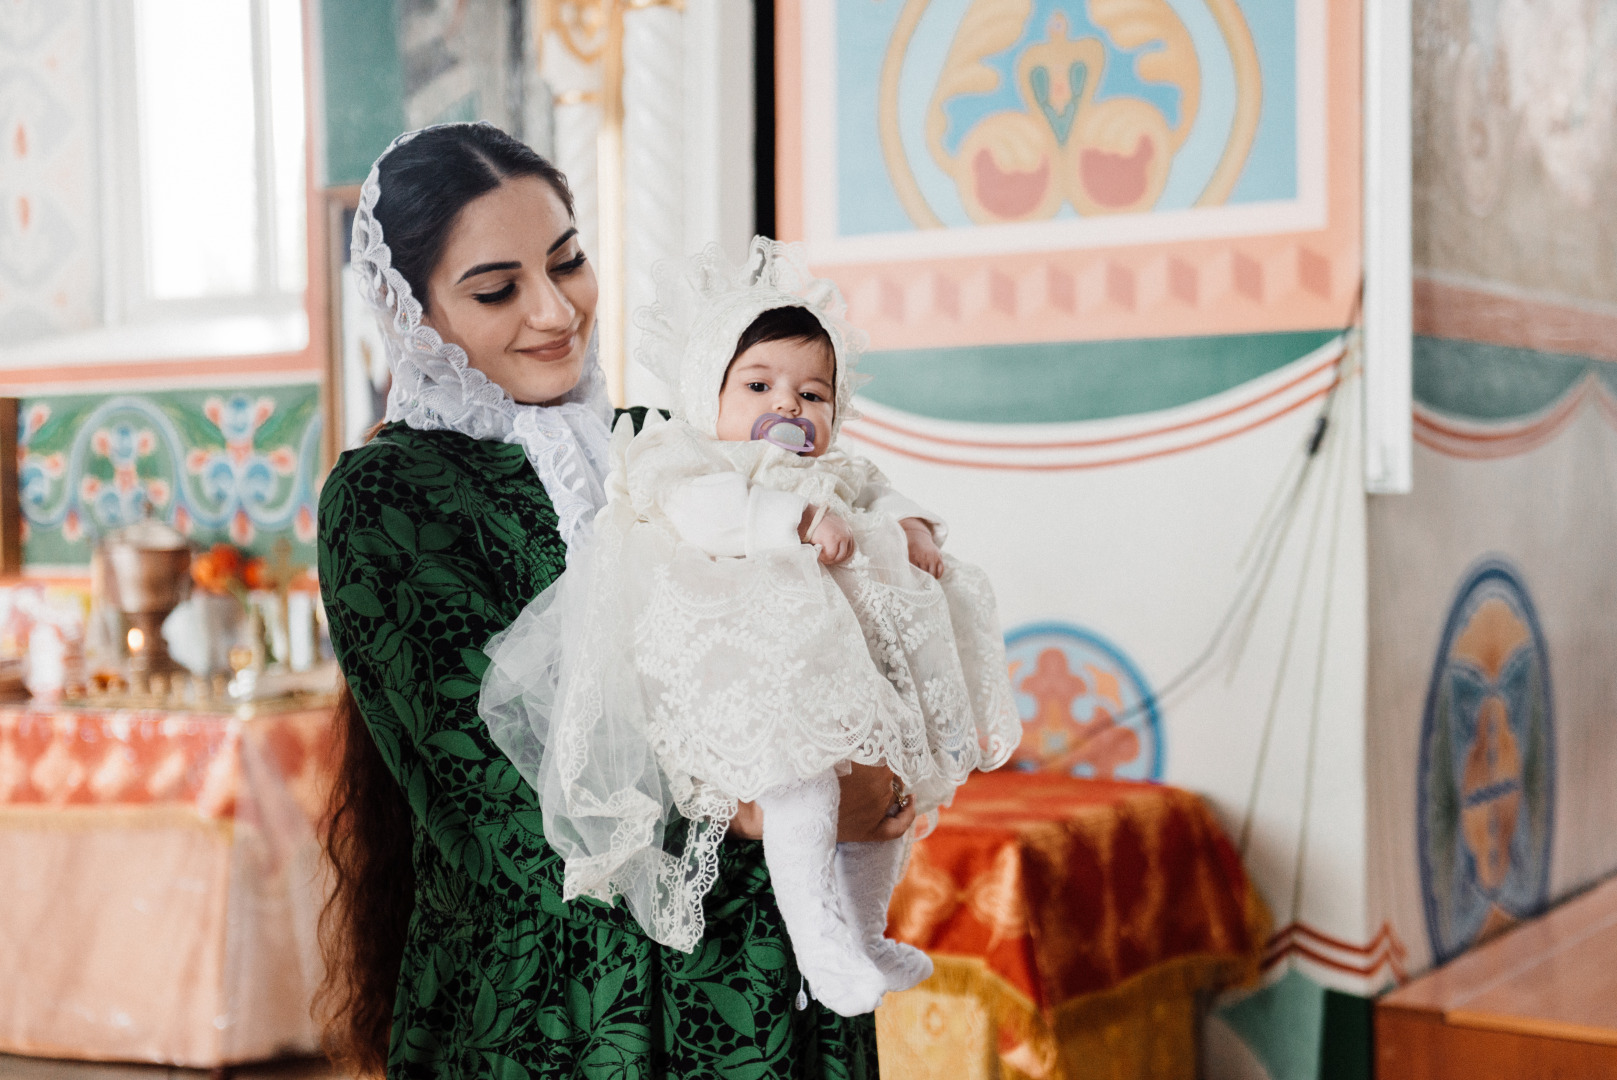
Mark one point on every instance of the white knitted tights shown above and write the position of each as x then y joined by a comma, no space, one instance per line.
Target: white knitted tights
866,874
800,846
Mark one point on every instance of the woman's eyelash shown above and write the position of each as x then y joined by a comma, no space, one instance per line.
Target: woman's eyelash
496,296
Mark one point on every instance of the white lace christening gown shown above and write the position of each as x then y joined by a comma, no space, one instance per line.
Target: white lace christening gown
696,653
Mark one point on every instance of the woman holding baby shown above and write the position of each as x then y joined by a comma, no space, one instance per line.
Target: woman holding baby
452,949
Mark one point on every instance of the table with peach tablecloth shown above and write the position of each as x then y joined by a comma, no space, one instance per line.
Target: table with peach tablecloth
1077,927
161,883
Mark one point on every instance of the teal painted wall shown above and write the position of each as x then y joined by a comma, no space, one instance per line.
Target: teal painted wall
1301,1030
364,84
1070,381
1497,382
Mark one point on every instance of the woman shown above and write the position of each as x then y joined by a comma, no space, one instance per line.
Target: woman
449,948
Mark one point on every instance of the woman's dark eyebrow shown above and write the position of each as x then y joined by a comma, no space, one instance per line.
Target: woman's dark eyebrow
484,268
489,267
560,240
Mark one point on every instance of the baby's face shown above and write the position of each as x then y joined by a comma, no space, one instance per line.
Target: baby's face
792,378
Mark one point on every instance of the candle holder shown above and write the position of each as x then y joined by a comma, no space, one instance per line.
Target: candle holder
149,564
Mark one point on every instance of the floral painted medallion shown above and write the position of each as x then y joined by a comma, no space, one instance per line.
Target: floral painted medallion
1086,710
1487,765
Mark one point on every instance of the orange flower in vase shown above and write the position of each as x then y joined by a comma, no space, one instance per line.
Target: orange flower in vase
255,575
220,571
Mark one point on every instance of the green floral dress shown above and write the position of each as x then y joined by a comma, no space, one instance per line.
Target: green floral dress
430,542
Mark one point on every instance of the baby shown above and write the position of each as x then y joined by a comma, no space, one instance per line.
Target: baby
754,610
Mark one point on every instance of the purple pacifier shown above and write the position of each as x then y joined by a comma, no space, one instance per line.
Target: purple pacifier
788,433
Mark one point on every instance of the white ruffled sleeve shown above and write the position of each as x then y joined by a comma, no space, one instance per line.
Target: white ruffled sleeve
772,519
724,515
879,497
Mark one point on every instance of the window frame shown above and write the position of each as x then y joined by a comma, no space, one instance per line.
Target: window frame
127,297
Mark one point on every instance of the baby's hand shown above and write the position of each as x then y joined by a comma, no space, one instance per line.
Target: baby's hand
832,534
924,553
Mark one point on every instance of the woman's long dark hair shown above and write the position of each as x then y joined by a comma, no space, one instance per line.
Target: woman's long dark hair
425,183
367,841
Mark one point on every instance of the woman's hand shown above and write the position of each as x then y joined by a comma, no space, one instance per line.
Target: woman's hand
832,534
924,553
864,811
866,801
748,822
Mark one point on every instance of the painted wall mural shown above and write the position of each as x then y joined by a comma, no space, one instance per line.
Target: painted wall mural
1515,143
1477,401
1487,765
230,465
996,112
1491,688
996,171
391,67
1106,251
1086,709
1515,425
954,407
471,60
49,263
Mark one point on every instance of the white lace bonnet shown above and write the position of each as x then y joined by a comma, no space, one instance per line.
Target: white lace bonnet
706,303
436,389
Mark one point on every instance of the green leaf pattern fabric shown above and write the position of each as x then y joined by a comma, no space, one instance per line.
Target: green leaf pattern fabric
430,543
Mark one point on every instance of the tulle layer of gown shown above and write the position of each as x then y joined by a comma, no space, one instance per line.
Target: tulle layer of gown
654,683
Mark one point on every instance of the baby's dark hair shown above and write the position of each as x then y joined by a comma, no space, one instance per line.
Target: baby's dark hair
791,323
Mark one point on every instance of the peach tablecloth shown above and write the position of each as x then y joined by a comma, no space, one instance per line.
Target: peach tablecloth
160,883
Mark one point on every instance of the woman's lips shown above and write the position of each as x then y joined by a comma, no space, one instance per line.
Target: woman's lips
557,350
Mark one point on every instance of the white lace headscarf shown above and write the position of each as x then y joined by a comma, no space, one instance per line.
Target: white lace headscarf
706,303
435,388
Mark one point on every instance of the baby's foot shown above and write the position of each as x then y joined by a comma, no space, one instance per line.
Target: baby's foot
902,966
849,985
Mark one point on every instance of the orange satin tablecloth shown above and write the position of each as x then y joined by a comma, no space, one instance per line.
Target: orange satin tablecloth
1077,927
162,883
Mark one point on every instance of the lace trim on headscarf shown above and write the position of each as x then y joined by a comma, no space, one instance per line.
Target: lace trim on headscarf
435,388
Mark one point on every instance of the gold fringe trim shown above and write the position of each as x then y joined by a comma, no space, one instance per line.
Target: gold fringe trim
1143,1026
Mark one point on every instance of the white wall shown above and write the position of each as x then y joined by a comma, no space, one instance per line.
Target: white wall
50,258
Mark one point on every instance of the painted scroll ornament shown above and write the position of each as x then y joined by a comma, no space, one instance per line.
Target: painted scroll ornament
1046,104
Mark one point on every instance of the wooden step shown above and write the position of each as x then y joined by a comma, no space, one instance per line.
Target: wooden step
1539,1001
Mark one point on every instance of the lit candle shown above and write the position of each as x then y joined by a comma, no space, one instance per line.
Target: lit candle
137,639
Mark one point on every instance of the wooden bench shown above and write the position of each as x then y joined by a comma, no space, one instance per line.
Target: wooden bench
1539,1001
